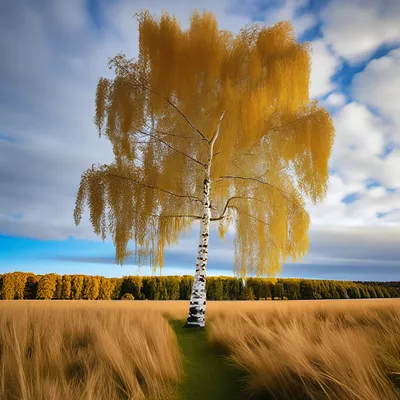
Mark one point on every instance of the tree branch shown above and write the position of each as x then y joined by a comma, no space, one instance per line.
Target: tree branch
280,128
194,198
259,220
185,117
171,147
216,133
175,216
171,134
138,83
251,179
236,198
215,154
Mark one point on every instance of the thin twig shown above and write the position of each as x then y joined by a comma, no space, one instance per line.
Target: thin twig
171,147
194,198
251,179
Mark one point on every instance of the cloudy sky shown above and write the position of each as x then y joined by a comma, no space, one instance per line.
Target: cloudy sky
53,52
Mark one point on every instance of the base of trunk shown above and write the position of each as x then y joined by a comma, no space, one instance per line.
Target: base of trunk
193,325
197,309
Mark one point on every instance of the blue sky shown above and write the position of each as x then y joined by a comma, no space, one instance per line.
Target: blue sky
52,55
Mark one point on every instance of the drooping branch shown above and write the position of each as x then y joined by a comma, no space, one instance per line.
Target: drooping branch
142,85
222,216
164,133
254,180
171,147
284,126
256,219
176,216
186,118
280,128
194,198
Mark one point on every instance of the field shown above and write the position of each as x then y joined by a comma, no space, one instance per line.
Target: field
341,349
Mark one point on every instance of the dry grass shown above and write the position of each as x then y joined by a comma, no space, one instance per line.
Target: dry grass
125,350
316,350
55,351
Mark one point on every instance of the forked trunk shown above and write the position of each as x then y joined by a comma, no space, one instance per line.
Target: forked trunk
197,307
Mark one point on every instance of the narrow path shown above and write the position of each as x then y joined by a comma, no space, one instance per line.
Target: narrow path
208,375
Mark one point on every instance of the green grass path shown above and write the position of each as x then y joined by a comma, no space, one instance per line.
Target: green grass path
208,375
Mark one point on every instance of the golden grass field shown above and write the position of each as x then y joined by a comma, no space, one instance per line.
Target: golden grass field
316,350
58,352
341,349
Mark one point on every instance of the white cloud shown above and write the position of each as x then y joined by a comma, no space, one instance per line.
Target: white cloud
359,130
356,28
378,85
336,99
324,65
287,12
272,12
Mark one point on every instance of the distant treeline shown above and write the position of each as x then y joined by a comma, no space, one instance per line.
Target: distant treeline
20,285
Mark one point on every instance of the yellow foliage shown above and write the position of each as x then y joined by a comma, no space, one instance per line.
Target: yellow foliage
160,113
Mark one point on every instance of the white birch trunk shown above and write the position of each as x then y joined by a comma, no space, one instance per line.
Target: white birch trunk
197,308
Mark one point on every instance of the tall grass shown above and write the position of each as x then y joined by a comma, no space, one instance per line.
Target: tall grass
78,353
315,350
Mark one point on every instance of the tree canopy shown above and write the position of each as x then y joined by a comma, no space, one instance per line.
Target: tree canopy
160,113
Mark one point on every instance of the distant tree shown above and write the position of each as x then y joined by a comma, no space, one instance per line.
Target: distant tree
185,287
86,287
58,292
354,292
31,286
233,288
117,284
77,287
293,289
244,290
149,289
66,287
132,284
317,289
106,289
342,291
161,288
215,288
306,289
172,287
378,291
365,292
210,126
325,294
372,292
8,289
278,290
47,287
19,284
127,296
90,287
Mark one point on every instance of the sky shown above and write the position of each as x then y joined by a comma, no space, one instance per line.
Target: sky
52,54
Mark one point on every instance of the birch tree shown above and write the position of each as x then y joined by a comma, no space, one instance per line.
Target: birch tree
213,127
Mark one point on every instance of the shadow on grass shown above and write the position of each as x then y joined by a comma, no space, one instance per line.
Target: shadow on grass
208,374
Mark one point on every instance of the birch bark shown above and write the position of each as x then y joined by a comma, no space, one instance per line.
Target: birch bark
197,308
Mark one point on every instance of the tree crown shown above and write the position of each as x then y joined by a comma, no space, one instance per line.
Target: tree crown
161,112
